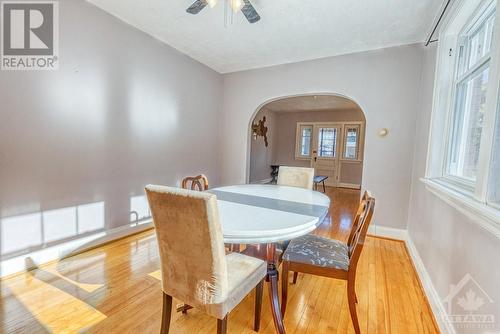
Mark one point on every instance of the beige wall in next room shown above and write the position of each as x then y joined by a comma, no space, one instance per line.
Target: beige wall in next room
261,156
282,127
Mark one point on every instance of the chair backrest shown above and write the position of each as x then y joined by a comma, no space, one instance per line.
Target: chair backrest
191,245
199,182
366,208
301,177
357,217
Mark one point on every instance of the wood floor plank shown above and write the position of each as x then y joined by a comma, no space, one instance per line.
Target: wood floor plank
114,289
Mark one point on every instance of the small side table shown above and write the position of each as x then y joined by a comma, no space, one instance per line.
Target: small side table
319,179
274,173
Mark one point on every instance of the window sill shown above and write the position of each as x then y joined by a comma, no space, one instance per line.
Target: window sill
485,216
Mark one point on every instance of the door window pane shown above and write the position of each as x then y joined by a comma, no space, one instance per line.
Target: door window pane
467,125
327,142
351,143
305,143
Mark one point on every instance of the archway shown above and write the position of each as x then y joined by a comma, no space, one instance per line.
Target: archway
323,131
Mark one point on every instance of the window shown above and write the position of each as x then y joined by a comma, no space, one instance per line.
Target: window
464,152
327,142
471,84
305,145
304,138
351,142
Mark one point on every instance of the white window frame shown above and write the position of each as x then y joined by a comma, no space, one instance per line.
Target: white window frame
359,143
468,197
298,141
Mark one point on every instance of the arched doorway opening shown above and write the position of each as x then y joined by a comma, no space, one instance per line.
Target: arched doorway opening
323,131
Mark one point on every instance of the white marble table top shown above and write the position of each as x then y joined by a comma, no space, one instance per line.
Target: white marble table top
257,213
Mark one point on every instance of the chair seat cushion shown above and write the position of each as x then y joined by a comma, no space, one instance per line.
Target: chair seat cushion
244,273
318,251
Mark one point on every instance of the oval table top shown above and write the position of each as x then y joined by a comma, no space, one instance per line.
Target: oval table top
258,213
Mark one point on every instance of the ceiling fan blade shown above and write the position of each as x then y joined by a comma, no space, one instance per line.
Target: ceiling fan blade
197,6
249,11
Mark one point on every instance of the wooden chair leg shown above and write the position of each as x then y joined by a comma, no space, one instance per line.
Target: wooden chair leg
355,297
295,274
284,287
222,325
351,298
166,313
258,305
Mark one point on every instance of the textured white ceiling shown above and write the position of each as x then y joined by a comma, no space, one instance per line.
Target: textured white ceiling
310,102
289,30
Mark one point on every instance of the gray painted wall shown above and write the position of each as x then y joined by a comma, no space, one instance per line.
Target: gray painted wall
123,110
450,244
384,83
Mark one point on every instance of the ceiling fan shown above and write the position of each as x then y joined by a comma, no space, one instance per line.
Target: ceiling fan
244,5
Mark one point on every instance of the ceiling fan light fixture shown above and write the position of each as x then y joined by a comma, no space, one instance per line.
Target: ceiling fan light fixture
236,5
212,3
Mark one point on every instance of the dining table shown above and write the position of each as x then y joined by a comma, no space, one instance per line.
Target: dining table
264,216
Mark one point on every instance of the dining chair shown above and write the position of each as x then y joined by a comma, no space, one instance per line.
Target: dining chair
296,177
194,266
316,255
353,227
199,182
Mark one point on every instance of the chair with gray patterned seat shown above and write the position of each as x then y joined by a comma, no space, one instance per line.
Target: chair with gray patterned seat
321,256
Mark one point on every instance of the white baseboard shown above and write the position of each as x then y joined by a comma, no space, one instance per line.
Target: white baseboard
265,181
432,296
70,248
388,232
349,185
435,301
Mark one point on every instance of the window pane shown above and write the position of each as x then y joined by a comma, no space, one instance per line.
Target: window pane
494,186
476,44
351,145
305,143
327,141
467,126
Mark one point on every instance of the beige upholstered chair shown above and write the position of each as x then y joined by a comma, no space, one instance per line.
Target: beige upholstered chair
312,254
301,177
194,266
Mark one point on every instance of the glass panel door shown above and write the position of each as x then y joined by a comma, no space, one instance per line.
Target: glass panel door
325,153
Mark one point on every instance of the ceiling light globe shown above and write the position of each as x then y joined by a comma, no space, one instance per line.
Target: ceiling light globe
236,5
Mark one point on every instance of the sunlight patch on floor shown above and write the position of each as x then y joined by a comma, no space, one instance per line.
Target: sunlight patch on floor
56,310
156,274
84,286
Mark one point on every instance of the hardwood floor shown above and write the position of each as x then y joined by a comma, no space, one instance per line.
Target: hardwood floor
116,289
